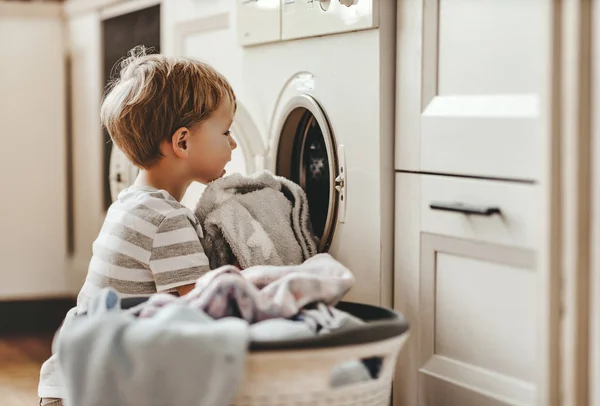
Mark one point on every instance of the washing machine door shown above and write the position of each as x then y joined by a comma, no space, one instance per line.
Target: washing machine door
307,154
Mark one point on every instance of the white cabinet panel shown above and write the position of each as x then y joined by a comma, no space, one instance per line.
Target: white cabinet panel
258,21
484,73
468,286
515,225
485,135
471,306
33,165
490,47
478,318
84,35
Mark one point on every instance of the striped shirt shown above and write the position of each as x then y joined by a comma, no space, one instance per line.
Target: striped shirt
149,243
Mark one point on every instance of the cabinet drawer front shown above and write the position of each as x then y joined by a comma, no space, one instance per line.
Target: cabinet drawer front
491,136
478,317
476,102
488,211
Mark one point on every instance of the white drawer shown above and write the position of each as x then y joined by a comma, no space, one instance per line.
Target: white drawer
491,137
516,224
476,102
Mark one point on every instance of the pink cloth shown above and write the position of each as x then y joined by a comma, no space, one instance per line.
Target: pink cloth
262,292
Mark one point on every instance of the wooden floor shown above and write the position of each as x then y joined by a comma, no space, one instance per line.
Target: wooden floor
20,360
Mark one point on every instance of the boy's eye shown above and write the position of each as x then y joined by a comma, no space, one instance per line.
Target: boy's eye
227,133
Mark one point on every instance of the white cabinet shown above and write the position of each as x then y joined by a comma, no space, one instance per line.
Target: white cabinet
468,284
472,79
32,168
472,139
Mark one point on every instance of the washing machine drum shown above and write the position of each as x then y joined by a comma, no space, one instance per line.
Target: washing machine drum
306,154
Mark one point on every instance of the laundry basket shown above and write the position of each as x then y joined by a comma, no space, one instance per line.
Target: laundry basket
298,372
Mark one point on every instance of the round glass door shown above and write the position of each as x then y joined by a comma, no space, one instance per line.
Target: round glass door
306,155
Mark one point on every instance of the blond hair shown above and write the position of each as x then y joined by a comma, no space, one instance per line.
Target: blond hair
154,96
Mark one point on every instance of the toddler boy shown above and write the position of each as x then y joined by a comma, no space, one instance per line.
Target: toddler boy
171,117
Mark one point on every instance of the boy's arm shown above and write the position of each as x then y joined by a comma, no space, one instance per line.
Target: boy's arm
185,289
177,259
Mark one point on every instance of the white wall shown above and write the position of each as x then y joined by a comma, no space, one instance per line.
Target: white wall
33,211
86,80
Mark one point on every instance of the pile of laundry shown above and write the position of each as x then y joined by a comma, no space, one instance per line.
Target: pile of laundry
192,349
267,283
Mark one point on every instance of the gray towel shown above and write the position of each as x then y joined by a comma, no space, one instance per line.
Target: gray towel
261,219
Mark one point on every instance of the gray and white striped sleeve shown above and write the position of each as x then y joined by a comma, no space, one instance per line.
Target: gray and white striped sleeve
177,257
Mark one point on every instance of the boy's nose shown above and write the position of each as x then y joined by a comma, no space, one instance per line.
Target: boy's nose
232,143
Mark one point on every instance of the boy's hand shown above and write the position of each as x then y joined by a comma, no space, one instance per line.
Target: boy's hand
185,289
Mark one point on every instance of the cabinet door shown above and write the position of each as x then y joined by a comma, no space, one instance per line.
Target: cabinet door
87,144
472,80
467,283
33,164
477,310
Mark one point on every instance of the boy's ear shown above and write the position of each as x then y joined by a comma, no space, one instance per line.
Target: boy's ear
179,142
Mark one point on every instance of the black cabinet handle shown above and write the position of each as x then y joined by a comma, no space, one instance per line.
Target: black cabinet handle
465,208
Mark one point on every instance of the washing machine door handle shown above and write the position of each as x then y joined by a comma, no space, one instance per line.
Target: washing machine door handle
340,183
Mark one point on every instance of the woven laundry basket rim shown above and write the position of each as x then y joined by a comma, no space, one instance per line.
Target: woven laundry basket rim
380,324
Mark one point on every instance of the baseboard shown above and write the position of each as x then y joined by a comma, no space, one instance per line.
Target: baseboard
33,316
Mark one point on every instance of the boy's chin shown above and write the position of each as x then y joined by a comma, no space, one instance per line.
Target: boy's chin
223,173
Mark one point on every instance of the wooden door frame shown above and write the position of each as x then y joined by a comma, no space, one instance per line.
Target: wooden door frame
564,379
594,315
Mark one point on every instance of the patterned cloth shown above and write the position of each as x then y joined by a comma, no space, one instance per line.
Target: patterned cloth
260,219
262,292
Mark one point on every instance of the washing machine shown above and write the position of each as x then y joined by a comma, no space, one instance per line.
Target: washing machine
319,77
